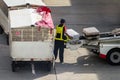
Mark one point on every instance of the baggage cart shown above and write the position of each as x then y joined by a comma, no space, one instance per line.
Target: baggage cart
29,43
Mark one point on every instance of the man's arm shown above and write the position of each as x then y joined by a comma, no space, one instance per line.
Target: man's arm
65,32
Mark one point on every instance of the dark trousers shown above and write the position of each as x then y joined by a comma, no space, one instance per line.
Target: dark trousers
59,48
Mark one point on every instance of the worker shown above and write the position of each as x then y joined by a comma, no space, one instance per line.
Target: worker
60,39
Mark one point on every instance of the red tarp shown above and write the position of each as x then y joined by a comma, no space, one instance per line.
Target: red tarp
46,21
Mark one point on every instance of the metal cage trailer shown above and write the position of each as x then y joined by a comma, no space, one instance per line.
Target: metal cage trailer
28,44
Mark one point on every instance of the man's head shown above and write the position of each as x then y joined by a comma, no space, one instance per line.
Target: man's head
62,21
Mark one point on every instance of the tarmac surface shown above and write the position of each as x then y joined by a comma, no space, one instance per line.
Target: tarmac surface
102,14
86,12
78,64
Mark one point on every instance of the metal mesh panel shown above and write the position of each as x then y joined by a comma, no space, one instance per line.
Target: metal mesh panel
30,34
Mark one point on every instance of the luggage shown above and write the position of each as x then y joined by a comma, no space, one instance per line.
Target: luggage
116,31
91,32
72,33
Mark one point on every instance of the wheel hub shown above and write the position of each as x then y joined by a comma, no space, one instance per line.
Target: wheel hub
115,57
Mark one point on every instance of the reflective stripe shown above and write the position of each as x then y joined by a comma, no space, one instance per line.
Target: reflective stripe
67,39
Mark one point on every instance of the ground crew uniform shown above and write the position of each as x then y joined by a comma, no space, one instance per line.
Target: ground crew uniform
59,42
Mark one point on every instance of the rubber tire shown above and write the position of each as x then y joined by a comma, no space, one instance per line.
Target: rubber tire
7,39
111,54
13,65
1,30
49,66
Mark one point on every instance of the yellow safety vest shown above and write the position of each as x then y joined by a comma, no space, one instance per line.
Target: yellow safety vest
60,34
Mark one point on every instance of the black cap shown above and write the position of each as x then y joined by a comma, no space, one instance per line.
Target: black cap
62,21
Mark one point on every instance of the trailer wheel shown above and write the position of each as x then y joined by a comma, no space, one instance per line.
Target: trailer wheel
49,66
13,65
113,57
7,39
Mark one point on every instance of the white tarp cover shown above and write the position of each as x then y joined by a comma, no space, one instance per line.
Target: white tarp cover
11,3
23,17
